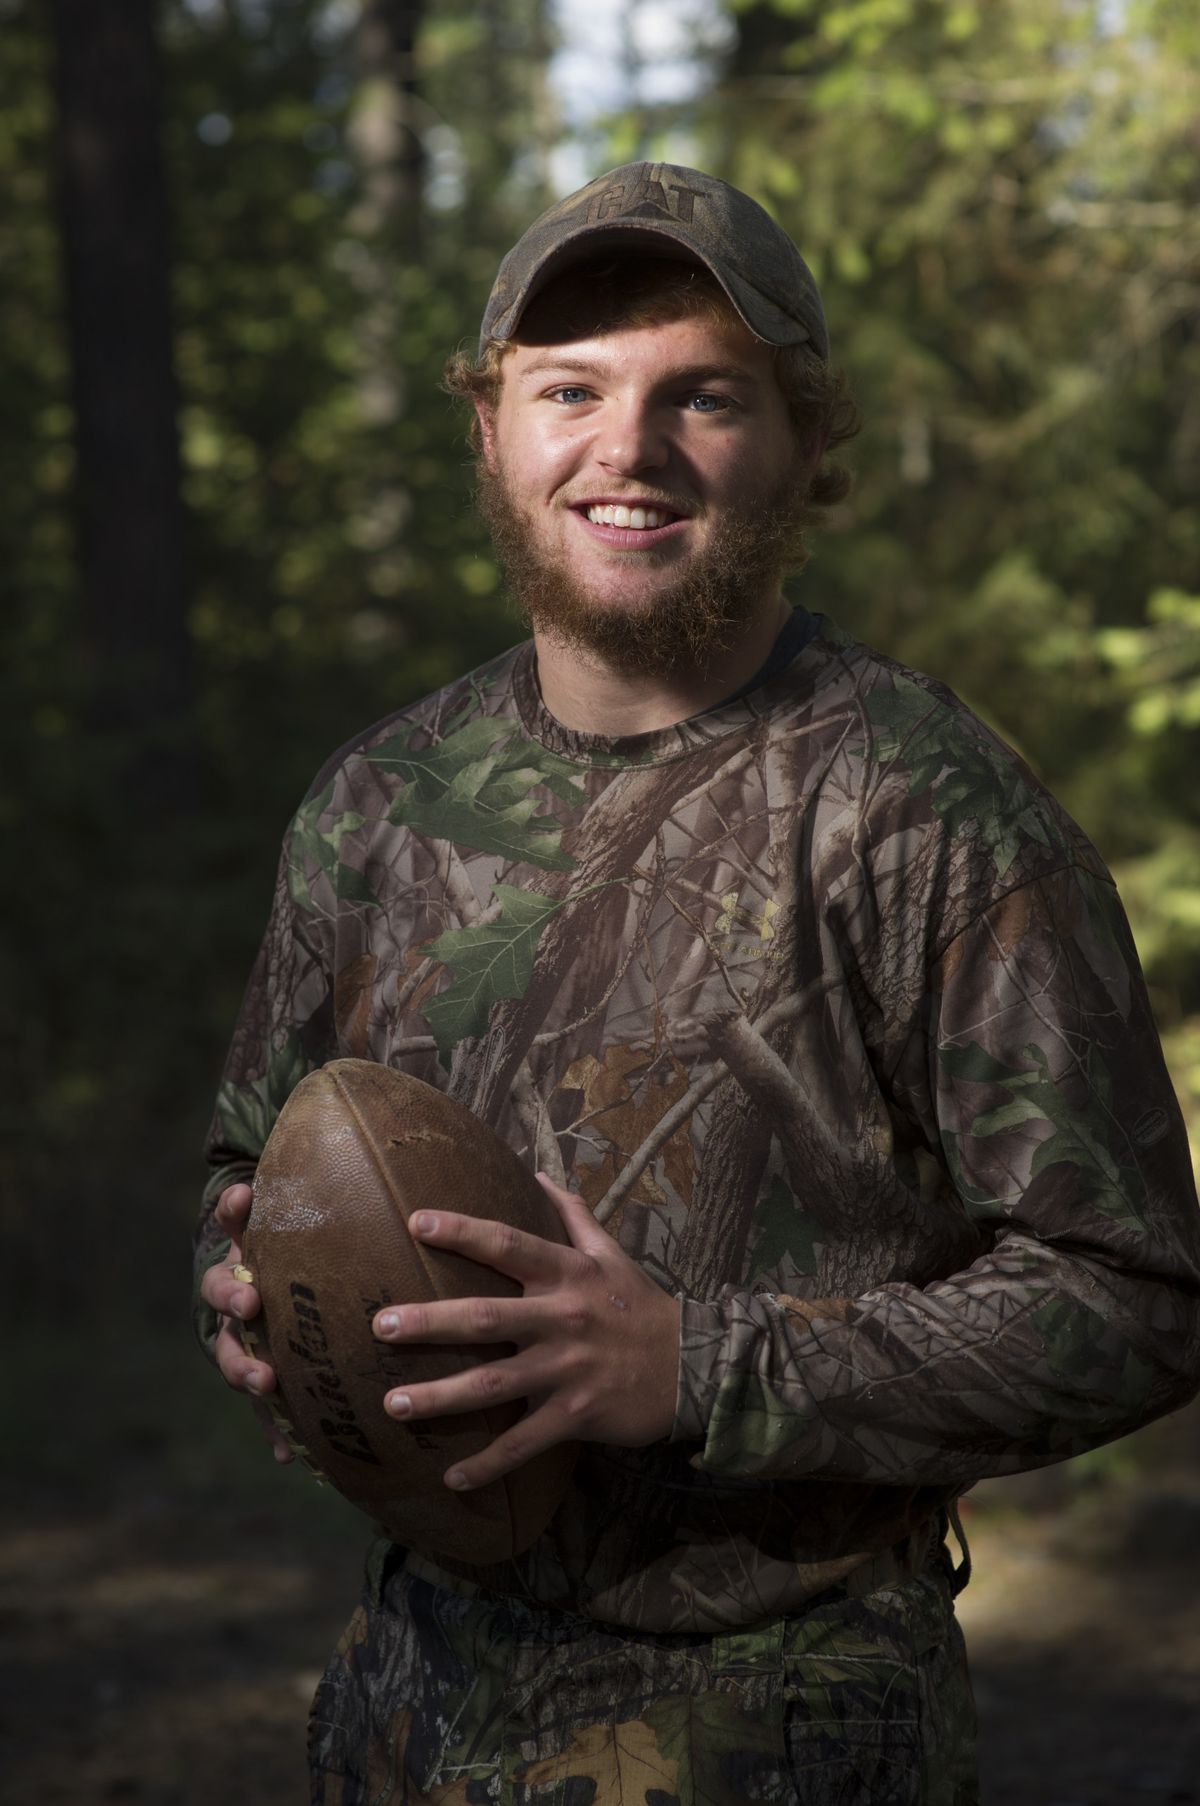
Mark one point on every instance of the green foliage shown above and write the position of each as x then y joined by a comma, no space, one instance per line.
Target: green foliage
701,1733
1160,662
999,204
999,201
474,788
969,784
247,1112
1071,1333
335,564
313,845
1036,1096
787,1235
316,303
489,961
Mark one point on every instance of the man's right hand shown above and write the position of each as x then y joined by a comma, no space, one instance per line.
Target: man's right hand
237,1302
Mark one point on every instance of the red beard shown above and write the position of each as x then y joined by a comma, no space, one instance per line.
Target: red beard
703,614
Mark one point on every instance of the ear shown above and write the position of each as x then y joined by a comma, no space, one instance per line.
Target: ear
811,453
487,432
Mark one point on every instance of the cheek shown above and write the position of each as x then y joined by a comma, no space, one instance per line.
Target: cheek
539,457
738,472
770,460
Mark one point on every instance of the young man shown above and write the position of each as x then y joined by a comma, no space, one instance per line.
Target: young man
822,1022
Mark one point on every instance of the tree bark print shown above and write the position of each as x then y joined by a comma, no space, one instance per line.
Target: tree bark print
829,1015
612,838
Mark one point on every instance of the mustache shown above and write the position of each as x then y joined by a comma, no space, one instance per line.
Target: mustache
642,494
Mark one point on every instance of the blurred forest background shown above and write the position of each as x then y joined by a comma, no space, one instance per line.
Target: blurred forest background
234,509
237,240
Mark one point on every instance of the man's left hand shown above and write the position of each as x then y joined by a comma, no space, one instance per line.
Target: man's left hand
597,1341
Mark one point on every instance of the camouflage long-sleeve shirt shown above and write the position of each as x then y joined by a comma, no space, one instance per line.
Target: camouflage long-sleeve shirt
833,1017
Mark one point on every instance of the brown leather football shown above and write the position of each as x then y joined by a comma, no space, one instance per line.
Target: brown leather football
356,1149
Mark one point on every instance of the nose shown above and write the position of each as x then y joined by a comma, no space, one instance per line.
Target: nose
634,437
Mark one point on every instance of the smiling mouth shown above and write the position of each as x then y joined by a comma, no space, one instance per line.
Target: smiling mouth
637,519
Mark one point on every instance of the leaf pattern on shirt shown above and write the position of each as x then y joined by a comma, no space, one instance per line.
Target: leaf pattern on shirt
969,784
475,788
833,1017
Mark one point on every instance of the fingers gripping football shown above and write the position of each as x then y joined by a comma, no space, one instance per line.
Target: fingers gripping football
237,1300
596,1341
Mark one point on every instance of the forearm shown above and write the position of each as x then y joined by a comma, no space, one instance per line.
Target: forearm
1029,1357
1035,1079
265,1062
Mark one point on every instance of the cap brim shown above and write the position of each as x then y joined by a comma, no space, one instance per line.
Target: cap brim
763,318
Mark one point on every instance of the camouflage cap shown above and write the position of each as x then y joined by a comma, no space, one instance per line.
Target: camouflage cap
662,208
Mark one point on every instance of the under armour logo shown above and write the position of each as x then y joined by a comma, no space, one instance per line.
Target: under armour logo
644,199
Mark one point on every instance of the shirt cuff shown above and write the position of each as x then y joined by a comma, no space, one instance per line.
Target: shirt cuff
702,1332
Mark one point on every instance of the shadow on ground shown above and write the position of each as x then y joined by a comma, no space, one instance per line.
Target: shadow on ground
171,1597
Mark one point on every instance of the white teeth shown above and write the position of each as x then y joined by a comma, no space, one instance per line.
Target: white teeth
615,515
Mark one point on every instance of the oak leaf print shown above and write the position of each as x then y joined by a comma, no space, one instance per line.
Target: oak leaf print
312,845
786,1236
625,1113
474,788
489,960
246,1113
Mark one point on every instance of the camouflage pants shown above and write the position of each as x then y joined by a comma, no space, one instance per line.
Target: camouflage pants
466,1701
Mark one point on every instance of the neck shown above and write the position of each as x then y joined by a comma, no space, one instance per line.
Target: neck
591,696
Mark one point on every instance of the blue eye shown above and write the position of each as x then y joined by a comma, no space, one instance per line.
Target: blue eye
570,394
708,404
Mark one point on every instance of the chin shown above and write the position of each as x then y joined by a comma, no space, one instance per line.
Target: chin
651,635
669,618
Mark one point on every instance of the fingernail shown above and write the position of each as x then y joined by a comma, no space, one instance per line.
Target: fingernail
253,1383
457,1479
389,1323
399,1404
424,1223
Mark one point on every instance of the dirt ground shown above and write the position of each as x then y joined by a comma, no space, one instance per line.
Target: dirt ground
1083,1624
164,1637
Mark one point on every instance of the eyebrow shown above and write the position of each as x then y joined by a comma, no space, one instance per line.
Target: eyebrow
687,373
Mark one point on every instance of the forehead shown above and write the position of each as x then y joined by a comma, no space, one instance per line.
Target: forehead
653,351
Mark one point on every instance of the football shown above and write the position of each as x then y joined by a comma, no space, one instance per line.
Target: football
356,1149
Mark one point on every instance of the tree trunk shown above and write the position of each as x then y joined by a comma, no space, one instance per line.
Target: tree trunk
765,38
388,134
113,219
